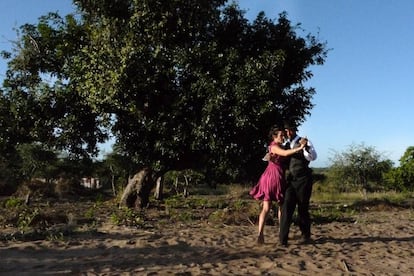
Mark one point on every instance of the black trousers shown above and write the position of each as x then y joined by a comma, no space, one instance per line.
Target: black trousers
298,192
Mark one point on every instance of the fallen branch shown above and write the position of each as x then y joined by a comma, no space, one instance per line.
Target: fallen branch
251,222
345,265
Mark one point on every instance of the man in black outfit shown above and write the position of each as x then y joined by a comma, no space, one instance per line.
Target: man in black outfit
299,187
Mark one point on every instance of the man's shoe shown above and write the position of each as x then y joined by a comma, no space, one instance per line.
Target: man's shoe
284,243
305,240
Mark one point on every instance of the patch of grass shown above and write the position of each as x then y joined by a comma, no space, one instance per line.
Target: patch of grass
207,190
227,204
349,198
329,213
196,202
26,218
126,216
338,198
183,216
239,204
13,202
59,236
90,213
328,207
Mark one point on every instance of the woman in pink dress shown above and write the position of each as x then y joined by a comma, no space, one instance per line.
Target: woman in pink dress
271,184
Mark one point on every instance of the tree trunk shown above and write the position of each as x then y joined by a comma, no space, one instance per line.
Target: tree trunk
158,194
364,193
136,193
113,180
185,192
27,199
365,189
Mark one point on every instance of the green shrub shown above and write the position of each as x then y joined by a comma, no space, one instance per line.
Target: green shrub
128,217
13,202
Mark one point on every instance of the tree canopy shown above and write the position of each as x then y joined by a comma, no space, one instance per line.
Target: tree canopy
180,84
359,165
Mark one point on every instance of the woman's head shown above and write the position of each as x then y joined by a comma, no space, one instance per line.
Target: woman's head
277,134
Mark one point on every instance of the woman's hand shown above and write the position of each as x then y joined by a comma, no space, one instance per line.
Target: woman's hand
303,141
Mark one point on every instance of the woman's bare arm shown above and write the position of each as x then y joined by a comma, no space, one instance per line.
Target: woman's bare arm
276,149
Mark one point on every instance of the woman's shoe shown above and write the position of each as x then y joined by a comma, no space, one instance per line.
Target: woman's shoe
260,239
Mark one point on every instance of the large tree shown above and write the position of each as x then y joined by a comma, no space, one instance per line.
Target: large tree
37,103
38,89
194,82
184,84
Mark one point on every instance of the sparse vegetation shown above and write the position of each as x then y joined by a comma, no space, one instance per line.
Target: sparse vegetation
228,205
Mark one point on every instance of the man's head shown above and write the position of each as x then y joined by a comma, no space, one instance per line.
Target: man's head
290,129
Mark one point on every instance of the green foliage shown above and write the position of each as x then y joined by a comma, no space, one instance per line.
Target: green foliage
185,216
39,98
55,236
90,213
115,169
40,115
37,161
99,199
194,202
57,221
324,214
26,218
13,202
358,167
402,177
182,181
127,216
321,181
180,84
239,204
230,207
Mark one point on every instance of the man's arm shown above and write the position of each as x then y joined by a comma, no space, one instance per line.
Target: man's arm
309,151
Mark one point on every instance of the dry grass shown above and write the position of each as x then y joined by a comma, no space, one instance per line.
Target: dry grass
47,217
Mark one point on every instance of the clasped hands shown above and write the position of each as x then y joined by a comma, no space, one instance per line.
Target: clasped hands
303,142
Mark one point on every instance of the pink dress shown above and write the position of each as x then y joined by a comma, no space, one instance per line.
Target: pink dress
271,185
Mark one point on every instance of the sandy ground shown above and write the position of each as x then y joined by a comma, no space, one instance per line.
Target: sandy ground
376,243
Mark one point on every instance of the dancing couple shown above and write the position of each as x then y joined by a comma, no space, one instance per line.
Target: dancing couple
287,180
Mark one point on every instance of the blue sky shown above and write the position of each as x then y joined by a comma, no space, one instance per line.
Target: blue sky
364,89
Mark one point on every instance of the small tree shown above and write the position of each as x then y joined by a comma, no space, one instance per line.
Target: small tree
359,165
402,178
120,167
37,161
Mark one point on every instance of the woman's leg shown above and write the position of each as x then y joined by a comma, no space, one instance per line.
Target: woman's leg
279,213
262,220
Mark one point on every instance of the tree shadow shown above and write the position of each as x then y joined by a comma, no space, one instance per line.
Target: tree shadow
359,240
115,258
